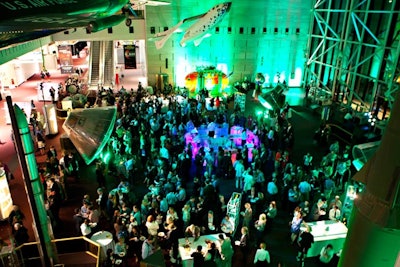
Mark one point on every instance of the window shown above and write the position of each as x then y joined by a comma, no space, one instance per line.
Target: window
110,30
275,30
131,30
165,28
216,29
253,30
264,30
241,30
287,30
66,32
229,30
297,30
152,30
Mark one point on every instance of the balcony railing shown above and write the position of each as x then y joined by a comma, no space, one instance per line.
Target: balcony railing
70,251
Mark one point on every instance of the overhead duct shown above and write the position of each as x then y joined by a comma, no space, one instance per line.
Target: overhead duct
90,129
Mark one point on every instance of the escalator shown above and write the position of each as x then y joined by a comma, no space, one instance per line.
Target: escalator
108,64
94,65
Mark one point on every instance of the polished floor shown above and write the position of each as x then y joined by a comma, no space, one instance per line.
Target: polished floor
304,121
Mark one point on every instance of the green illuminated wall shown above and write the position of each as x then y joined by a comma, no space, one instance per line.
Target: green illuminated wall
268,50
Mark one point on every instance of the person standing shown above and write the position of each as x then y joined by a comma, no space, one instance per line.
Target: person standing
247,215
100,171
110,258
262,258
148,247
239,170
334,213
326,255
52,94
52,152
213,256
16,215
226,252
71,165
244,243
86,230
304,242
295,225
272,188
198,257
54,199
305,190
20,234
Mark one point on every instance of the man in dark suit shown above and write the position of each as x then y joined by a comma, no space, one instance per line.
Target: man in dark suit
244,243
71,165
54,199
102,201
52,152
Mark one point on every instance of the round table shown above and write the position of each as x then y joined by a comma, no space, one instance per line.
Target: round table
105,240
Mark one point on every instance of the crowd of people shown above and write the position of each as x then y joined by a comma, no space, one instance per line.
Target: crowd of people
148,146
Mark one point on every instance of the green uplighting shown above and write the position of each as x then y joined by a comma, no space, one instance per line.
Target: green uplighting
106,157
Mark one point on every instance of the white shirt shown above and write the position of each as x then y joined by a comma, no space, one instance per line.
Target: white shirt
85,229
152,228
334,215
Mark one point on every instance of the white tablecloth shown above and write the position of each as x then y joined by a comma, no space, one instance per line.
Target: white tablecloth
187,260
105,240
327,232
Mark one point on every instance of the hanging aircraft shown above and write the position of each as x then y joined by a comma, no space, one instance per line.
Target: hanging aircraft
197,31
136,6
24,20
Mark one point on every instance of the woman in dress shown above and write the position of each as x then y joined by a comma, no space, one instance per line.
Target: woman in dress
295,225
260,226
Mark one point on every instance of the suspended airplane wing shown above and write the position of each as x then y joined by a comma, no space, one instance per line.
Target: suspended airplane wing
26,19
28,15
199,29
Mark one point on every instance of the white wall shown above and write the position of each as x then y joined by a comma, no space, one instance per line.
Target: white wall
17,72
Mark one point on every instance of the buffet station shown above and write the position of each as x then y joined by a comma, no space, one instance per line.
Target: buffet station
189,245
327,232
